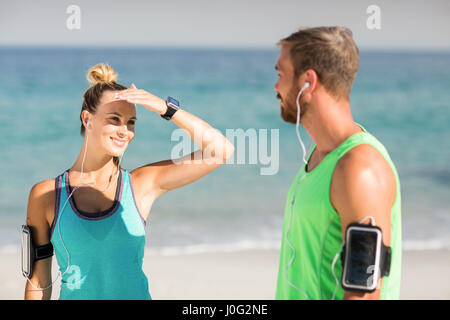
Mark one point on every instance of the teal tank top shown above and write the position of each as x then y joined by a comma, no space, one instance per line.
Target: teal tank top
106,249
315,231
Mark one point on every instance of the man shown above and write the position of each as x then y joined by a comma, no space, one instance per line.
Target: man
348,177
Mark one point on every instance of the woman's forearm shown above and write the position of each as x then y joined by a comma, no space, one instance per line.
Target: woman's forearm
204,135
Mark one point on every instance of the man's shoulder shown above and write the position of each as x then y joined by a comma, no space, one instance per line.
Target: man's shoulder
361,160
360,156
363,170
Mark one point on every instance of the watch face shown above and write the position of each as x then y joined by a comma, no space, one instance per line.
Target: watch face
173,102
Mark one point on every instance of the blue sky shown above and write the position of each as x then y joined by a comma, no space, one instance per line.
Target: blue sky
405,25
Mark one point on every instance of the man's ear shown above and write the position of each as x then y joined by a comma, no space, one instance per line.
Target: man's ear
310,76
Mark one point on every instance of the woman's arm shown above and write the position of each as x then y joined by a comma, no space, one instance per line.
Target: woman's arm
40,200
159,177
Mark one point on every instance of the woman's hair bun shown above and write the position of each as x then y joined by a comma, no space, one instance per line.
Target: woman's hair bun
101,72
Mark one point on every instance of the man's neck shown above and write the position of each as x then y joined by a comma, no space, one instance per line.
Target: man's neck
329,125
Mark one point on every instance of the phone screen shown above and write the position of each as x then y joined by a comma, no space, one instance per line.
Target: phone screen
362,255
25,252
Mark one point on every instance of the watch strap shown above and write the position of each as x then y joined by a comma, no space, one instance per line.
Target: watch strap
172,107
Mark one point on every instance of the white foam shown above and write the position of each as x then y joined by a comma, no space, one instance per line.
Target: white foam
408,245
431,244
213,248
10,248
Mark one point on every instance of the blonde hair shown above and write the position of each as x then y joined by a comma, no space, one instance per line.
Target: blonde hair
330,52
102,78
101,72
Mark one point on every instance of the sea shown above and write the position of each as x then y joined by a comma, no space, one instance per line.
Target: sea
402,98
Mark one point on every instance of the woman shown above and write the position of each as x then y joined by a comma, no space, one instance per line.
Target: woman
98,232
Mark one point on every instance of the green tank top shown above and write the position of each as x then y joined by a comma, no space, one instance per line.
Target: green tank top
315,232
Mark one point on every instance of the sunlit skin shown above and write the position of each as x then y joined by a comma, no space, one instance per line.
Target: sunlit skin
116,118
113,119
363,184
287,89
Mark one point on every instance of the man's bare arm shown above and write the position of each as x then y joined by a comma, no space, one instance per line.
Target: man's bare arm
362,185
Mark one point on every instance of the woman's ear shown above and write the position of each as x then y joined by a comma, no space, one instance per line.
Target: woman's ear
88,124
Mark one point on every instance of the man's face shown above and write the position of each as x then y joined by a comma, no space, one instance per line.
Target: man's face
286,88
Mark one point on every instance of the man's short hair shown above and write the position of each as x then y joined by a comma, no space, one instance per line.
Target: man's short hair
330,52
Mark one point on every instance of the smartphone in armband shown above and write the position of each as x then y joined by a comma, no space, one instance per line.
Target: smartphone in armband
30,253
365,259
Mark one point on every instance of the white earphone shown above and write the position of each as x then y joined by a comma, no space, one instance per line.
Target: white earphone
60,274
291,260
306,85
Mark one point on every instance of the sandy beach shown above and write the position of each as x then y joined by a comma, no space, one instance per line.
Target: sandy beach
241,275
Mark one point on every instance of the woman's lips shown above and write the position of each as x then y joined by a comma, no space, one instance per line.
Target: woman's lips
118,142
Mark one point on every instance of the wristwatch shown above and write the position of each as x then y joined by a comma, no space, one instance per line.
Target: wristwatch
172,107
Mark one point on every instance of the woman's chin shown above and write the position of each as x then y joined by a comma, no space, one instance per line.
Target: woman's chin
115,151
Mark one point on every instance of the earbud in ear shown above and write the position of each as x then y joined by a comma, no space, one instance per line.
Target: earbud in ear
306,85
88,124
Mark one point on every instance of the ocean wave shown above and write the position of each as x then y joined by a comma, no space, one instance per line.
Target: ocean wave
420,245
245,245
249,245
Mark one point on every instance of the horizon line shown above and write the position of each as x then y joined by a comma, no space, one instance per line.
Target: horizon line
363,49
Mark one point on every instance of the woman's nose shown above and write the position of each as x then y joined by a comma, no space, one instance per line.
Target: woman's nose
123,130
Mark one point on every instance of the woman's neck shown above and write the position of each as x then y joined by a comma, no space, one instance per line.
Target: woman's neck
98,170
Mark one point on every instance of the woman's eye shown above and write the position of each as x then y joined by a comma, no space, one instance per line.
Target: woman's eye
118,120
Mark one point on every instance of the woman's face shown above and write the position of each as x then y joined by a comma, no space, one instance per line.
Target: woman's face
112,127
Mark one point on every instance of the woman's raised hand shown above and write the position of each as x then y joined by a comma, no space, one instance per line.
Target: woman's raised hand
142,97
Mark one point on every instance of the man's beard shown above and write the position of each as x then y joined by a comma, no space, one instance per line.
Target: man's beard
289,109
